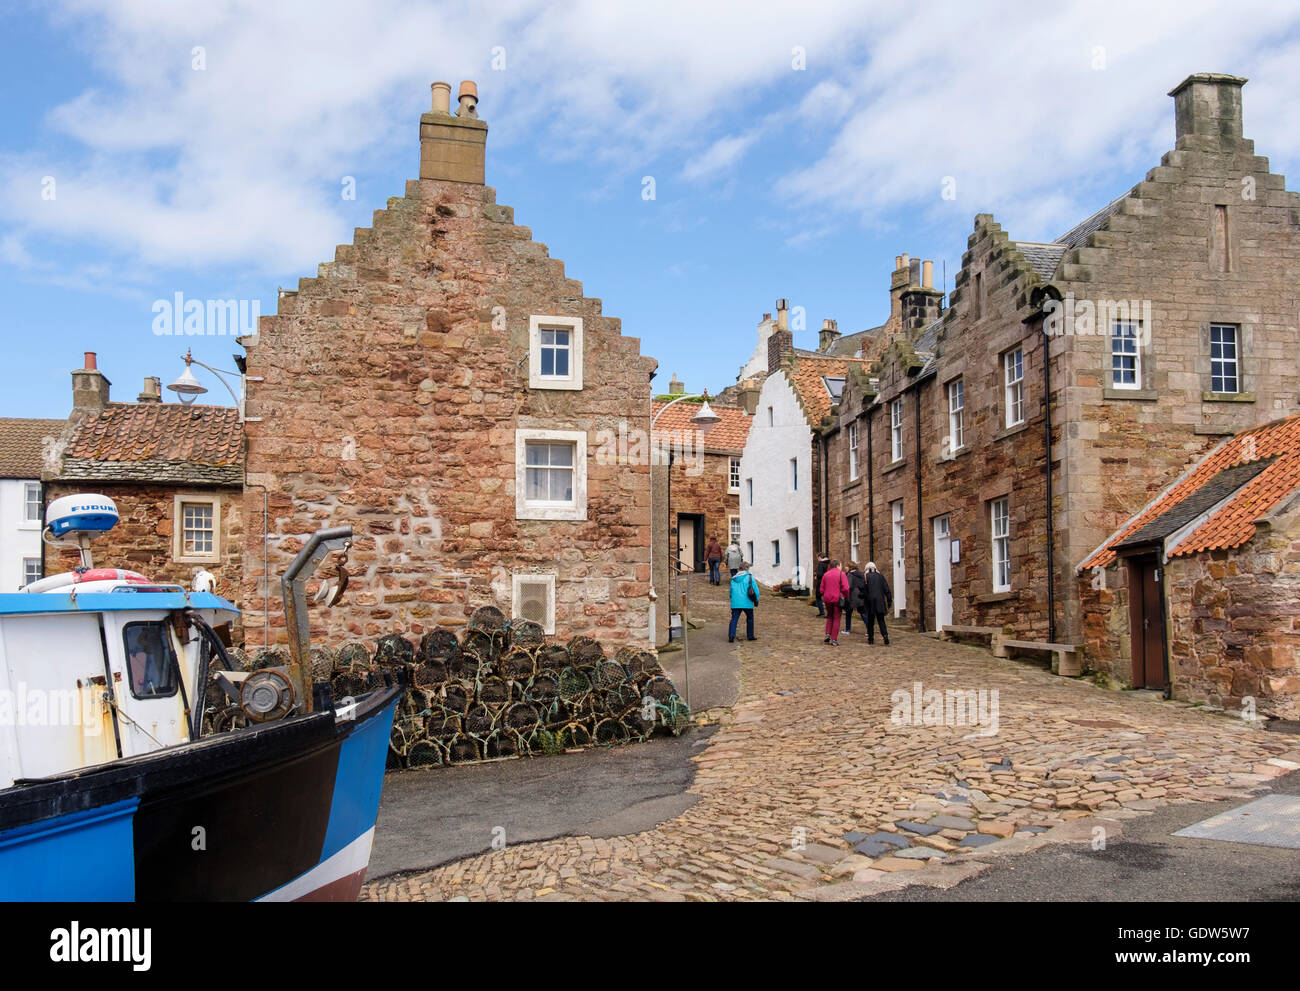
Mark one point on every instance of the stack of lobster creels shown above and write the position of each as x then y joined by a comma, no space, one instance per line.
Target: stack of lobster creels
501,690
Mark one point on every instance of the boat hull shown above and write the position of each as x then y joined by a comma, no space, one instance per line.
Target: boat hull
284,811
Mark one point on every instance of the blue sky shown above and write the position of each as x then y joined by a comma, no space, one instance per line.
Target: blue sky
795,150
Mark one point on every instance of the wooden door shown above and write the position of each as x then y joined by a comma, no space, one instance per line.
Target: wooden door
1146,623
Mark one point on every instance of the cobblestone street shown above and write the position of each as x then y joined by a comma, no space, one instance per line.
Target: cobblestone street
811,791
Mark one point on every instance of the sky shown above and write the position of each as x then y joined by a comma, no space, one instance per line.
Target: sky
152,148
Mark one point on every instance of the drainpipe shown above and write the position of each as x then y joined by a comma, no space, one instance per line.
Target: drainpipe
871,493
1047,446
920,511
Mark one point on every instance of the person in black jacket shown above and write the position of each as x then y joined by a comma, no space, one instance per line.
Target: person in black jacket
879,601
857,597
823,563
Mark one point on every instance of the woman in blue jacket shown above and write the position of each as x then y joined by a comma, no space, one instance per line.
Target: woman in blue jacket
744,597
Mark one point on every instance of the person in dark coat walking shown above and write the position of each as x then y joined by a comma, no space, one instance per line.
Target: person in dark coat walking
713,554
823,563
879,601
857,596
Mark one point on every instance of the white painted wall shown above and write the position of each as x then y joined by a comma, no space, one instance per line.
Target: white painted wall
777,507
18,538
757,363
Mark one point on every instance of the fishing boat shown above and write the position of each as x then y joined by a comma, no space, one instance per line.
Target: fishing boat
115,784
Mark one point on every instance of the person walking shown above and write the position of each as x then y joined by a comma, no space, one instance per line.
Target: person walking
879,601
734,558
713,554
835,590
857,596
819,572
744,598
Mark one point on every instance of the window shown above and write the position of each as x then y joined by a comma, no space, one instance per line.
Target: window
533,597
32,570
733,529
32,502
1125,356
794,545
197,525
150,662
896,429
1013,365
977,301
956,420
749,549
776,552
1224,375
771,418
853,537
853,451
550,475
749,486
1001,529
733,477
554,352
794,474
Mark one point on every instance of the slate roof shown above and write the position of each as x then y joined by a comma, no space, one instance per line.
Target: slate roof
1077,236
850,344
21,444
1042,258
157,442
1249,474
728,434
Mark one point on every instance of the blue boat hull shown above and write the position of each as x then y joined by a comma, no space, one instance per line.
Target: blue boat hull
283,811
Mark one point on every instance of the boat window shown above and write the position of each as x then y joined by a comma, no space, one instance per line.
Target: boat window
150,661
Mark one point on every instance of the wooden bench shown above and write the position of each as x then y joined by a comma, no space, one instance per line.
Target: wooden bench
1065,659
953,632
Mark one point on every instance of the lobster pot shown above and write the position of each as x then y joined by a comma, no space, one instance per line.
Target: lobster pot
239,658
518,664
480,720
462,749
543,690
609,732
552,658
524,634
642,662
437,645
397,745
353,655
394,651
502,744
441,724
639,728
346,684
660,689
487,619
585,651
625,654
674,715
493,691
374,679
416,701
477,657
426,753
573,685
606,674
577,735
618,699
456,696
271,657
321,661
430,674
522,717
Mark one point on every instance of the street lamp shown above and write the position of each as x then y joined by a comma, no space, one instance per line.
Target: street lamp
188,388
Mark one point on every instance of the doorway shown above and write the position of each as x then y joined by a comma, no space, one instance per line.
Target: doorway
900,557
942,573
690,541
1146,622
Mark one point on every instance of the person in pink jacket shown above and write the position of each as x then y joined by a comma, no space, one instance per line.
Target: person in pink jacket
834,589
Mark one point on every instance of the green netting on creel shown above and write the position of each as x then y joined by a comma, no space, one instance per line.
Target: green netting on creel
426,753
353,655
573,684
456,696
606,674
517,664
609,732
522,717
584,650
438,645
525,634
479,720
394,651
463,749
502,744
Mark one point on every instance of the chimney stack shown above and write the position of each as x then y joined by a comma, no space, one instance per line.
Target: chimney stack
748,395
152,391
89,387
782,315
453,149
919,304
829,335
676,388
780,345
1207,111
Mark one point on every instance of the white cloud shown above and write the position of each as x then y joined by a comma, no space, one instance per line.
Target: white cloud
720,156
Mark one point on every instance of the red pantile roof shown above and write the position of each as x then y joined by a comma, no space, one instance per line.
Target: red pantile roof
157,442
22,444
728,434
1233,522
807,375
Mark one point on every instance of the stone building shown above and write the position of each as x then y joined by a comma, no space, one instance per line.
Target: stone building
443,387
1218,554
176,473
1156,327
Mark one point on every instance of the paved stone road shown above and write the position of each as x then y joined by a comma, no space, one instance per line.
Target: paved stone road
822,784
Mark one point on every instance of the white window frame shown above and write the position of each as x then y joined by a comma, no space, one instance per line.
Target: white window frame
526,509
516,597
956,414
855,536
1117,337
40,570
1013,390
896,429
536,380
853,452
733,530
1234,361
28,502
1000,537
179,501
733,474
